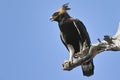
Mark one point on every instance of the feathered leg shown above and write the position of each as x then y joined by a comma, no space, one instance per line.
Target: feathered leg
71,51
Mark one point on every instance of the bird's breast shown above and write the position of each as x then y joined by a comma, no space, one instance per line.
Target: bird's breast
69,32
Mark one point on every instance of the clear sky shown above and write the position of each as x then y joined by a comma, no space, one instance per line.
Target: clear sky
30,46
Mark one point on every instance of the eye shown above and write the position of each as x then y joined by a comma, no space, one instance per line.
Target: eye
55,14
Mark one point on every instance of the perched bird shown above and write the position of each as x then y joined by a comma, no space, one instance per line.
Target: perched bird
73,35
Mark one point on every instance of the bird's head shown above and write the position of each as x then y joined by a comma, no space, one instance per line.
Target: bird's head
58,14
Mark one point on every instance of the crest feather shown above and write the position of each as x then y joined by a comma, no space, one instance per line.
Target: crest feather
64,8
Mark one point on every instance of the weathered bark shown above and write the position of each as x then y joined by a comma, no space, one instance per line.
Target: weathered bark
110,43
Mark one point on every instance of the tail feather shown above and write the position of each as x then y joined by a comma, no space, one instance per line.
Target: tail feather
88,68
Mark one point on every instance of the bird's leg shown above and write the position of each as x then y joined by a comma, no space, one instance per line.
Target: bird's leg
71,57
71,50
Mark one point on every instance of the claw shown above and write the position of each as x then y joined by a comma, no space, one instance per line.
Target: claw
66,61
69,61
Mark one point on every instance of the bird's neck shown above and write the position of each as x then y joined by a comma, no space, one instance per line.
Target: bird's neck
63,18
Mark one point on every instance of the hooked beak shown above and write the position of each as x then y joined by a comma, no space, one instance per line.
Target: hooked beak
51,19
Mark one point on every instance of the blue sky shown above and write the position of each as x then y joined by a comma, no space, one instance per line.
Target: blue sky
30,46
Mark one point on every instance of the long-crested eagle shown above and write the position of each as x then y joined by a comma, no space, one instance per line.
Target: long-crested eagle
73,35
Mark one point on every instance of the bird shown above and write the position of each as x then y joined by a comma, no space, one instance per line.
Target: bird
73,34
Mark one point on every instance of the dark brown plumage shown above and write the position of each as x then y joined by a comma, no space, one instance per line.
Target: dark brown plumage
73,35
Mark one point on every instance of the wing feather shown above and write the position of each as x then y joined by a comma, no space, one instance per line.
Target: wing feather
83,31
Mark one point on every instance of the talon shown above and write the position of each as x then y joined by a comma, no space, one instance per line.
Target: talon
68,61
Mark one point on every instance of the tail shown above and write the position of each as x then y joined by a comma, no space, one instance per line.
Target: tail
88,68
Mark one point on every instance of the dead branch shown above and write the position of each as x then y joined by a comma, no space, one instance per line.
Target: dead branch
108,44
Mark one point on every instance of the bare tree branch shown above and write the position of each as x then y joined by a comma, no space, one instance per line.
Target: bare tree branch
108,44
